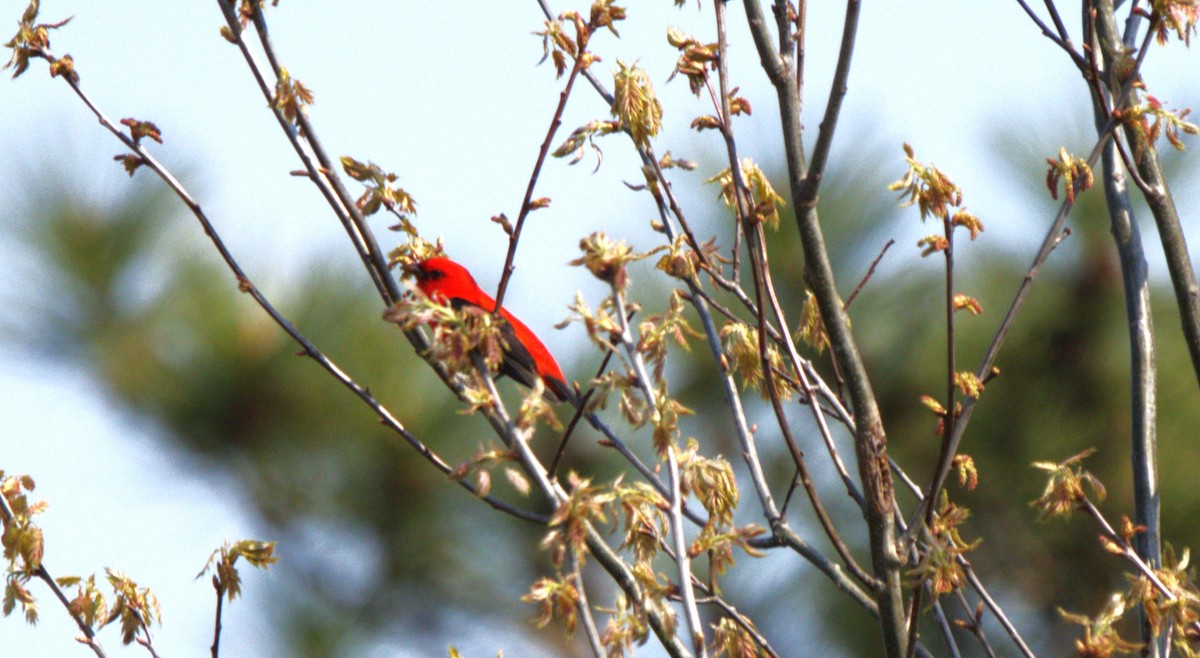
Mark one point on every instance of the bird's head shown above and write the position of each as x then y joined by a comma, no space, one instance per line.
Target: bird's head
441,276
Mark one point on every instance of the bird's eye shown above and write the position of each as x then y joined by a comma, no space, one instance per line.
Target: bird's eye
436,274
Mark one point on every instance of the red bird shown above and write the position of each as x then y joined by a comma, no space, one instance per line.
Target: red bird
525,357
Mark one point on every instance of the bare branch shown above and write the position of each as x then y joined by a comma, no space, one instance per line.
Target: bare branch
995,608
579,413
806,197
1157,192
939,616
1134,274
1058,24
764,287
870,440
585,608
555,122
318,165
772,63
215,649
870,272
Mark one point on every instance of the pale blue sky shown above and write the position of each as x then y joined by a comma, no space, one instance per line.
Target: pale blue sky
448,96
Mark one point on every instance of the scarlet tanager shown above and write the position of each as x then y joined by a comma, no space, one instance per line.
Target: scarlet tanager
525,357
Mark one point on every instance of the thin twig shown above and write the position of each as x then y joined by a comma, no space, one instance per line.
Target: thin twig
675,494
835,402
146,640
1103,104
995,608
870,271
948,418
807,195
939,615
650,160
1128,552
725,119
741,620
788,537
585,608
515,237
215,649
645,152
1058,23
835,407
587,73
664,201
629,584
580,411
316,164
376,262
761,265
710,597
972,577
975,625
575,418
650,476
517,440
732,395
772,62
913,488
682,560
1058,40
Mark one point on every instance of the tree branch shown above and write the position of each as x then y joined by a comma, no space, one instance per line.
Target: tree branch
215,649
1053,237
515,237
316,164
1143,371
1157,193
870,440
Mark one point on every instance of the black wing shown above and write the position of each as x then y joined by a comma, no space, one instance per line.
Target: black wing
518,362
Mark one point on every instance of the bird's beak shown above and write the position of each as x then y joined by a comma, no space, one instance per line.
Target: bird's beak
411,269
